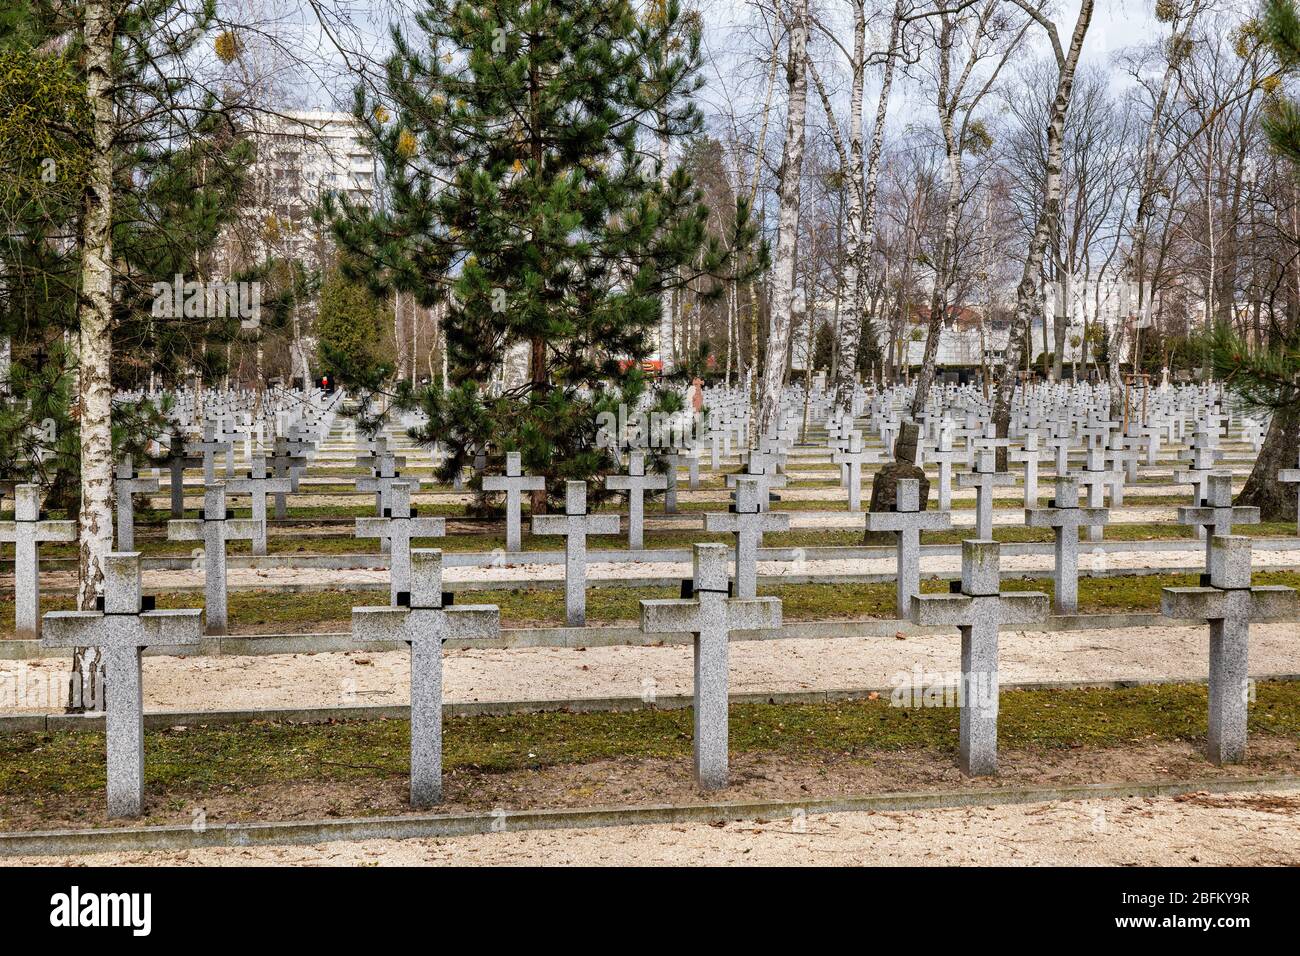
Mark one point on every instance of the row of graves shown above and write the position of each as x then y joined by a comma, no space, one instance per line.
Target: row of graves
1073,466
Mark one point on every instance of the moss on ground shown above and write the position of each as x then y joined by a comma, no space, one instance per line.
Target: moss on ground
44,766
260,612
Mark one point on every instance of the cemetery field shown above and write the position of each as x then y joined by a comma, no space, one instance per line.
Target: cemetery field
312,610
278,771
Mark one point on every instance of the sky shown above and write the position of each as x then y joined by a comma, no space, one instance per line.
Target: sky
731,77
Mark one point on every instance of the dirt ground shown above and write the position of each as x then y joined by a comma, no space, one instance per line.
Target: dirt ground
1244,829
360,677
657,781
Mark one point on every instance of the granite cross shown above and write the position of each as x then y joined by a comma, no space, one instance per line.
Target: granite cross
1029,454
123,627
399,526
177,462
710,616
979,610
575,524
27,531
984,479
424,624
209,447
907,520
1216,513
257,486
636,483
288,460
1291,476
1064,516
214,529
747,521
851,460
126,486
512,483
1229,604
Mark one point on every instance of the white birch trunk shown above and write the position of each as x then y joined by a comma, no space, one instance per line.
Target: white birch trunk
95,345
1027,291
783,271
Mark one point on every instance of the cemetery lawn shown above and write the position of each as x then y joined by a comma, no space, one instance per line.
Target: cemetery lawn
787,751
326,610
469,535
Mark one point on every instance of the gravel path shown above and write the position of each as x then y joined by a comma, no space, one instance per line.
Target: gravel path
366,677
1245,829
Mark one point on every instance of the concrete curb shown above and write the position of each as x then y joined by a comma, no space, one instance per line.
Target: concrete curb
136,839
161,720
253,645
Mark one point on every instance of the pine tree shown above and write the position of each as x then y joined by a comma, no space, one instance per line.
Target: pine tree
519,143
1268,377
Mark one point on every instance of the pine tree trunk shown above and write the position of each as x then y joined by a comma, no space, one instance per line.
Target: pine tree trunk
1276,501
94,384
783,268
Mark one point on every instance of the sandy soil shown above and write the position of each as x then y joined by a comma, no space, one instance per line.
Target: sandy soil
1245,829
505,570
360,677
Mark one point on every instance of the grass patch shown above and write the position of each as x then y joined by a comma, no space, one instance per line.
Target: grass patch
43,766
265,612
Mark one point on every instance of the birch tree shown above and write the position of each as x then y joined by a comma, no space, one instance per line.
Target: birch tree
783,265
1027,298
965,39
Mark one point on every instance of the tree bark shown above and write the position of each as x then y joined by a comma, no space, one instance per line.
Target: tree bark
95,346
783,268
1276,501
862,235
1027,291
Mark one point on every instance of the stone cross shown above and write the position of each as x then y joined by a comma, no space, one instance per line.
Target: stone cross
214,529
636,483
710,615
1291,476
747,521
851,460
512,483
979,610
27,531
424,624
1064,516
123,628
126,486
907,520
1029,454
1201,458
1216,513
288,459
1097,477
945,456
383,475
209,447
1229,604
257,485
177,462
575,524
399,525
984,479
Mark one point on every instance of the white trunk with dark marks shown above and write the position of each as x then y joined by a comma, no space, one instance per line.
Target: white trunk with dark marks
783,267
1027,292
860,246
95,345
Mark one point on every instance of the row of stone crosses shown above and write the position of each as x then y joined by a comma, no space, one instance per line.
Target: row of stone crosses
422,616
